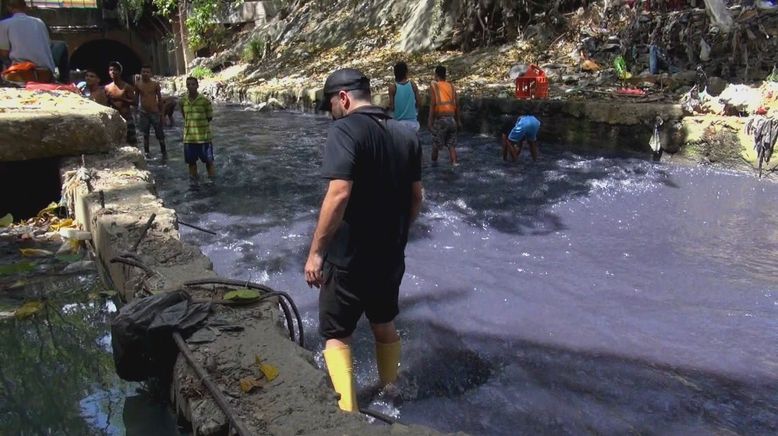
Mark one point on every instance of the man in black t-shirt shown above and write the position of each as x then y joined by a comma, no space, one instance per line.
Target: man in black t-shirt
357,256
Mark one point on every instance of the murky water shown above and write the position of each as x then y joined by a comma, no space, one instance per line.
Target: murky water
56,370
583,294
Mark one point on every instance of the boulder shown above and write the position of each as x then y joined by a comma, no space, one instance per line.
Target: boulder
45,124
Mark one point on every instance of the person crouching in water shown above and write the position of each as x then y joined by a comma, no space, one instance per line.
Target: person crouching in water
526,129
404,98
198,113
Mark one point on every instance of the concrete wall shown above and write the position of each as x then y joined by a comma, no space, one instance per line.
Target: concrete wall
596,125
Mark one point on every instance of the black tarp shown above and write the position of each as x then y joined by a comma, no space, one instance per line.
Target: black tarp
141,333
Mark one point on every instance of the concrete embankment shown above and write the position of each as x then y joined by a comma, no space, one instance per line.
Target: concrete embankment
112,195
610,123
626,123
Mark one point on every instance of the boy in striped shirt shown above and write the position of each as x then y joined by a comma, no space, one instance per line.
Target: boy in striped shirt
198,113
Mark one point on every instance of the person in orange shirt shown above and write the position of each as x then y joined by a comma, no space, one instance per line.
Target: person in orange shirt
444,119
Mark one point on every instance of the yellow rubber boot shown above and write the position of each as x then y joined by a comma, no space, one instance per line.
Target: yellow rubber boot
388,357
342,375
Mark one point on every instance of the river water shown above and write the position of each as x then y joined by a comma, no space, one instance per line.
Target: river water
582,294
56,370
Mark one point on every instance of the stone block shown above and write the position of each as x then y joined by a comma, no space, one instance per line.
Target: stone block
46,124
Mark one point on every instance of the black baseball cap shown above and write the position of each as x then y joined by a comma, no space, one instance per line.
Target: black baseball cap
346,79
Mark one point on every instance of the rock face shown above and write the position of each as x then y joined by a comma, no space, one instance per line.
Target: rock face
45,124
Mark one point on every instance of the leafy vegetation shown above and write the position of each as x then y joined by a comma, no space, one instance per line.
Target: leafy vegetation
200,72
253,50
200,15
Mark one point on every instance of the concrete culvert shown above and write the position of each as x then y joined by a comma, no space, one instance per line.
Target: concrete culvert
96,55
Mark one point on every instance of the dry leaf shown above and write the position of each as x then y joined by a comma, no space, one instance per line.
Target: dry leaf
248,384
269,371
65,223
35,252
28,309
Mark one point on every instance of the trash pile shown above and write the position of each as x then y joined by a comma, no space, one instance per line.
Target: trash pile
667,47
36,257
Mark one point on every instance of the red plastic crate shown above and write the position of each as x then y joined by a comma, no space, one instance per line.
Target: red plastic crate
532,84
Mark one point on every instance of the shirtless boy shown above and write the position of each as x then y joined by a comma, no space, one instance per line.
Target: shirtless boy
93,90
151,105
121,96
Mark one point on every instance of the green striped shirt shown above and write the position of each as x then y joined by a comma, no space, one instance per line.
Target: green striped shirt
197,128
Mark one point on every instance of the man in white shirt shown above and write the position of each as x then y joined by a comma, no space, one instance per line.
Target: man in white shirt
24,38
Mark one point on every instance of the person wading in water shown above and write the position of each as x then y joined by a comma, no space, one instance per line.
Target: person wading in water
444,119
357,256
404,98
151,106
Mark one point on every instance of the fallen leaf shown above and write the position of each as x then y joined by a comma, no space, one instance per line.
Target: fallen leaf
270,371
248,384
35,252
28,309
7,220
6,315
65,223
242,294
50,209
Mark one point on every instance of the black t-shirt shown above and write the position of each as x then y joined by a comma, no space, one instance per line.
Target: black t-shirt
382,158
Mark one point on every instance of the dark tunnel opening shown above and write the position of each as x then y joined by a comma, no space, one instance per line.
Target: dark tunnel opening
96,55
42,185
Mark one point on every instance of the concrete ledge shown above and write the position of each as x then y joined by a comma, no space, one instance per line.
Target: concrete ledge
44,124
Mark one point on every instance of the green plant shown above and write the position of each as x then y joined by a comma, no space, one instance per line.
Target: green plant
200,15
200,72
253,50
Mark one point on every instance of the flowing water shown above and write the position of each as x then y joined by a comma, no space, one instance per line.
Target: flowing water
582,294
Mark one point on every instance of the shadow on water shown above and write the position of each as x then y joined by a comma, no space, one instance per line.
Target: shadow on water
502,384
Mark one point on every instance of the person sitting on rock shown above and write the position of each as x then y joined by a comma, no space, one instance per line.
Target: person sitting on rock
26,39
525,129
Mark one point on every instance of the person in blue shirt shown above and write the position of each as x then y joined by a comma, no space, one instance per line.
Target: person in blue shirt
525,129
404,98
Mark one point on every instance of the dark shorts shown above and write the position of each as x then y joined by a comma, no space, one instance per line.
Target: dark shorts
346,295
132,137
203,151
147,120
